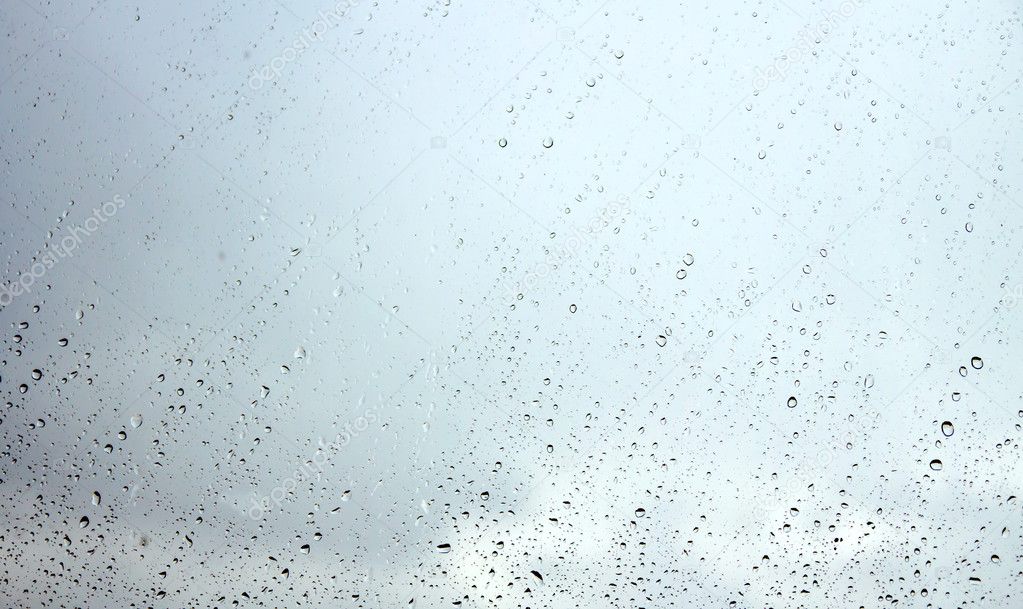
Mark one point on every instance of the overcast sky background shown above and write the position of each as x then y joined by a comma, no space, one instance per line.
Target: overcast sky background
560,304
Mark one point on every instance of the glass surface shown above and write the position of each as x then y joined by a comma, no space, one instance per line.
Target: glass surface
572,304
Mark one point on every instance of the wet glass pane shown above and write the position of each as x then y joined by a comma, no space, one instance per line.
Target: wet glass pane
511,305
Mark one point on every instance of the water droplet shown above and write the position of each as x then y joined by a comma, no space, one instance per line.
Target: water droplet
977,363
936,465
792,402
135,421
548,142
947,429
502,142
